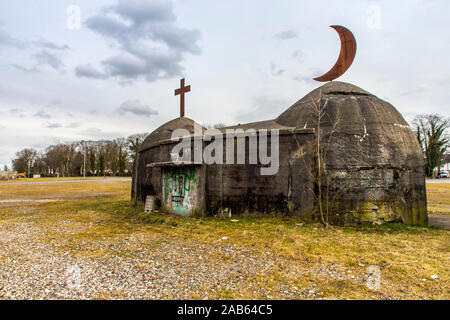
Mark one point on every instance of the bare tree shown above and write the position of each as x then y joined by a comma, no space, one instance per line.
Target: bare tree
216,126
102,157
25,161
122,154
134,143
320,173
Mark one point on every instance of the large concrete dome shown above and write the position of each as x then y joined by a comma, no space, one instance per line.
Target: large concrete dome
371,145
369,131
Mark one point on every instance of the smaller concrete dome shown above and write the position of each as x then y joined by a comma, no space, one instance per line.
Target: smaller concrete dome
164,132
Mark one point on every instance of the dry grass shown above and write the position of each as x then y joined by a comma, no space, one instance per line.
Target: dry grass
406,255
37,180
55,190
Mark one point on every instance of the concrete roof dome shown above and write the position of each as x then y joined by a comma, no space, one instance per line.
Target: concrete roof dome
370,131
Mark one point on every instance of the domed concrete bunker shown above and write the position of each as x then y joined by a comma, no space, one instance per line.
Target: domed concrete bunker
339,144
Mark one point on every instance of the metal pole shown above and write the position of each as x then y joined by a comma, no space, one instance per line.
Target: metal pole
84,161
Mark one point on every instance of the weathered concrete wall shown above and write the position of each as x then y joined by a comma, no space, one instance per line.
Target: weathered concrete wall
377,195
240,189
149,179
236,189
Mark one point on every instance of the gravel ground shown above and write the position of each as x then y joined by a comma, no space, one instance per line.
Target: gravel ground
137,267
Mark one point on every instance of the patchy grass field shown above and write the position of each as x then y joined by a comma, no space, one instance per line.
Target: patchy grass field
37,180
86,241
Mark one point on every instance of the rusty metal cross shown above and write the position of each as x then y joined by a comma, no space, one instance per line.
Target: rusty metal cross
181,91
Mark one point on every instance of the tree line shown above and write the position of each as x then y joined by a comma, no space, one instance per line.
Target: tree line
115,157
93,158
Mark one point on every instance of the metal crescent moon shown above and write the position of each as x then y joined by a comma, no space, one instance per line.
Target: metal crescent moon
346,56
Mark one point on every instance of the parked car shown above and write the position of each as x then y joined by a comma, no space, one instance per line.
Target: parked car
442,174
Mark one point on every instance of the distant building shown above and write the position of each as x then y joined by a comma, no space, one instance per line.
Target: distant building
446,163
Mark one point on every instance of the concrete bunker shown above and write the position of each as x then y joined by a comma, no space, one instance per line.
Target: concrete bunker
374,164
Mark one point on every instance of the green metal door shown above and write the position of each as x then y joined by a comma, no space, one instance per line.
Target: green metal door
180,189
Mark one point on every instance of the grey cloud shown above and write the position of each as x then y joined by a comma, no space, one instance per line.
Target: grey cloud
286,35
92,132
73,125
125,65
42,114
53,125
89,71
25,69
155,66
16,111
297,55
309,76
152,45
304,78
50,45
275,71
141,11
55,103
137,108
7,41
417,91
46,58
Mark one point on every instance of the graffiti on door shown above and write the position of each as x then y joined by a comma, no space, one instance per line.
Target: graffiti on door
180,190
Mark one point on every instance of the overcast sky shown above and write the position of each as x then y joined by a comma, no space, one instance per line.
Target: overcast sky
114,73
